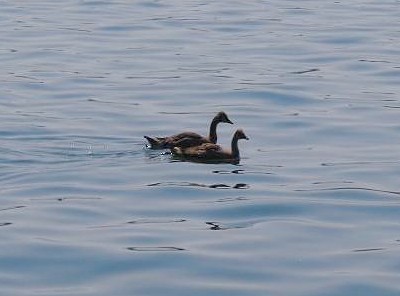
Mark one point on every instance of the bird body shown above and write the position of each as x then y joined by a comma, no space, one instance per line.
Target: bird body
211,151
189,139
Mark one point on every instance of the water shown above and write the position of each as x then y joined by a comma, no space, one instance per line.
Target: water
313,207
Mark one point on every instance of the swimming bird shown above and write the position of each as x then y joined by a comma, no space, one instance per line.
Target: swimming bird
189,139
212,152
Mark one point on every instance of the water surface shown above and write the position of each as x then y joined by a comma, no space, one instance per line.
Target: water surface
313,207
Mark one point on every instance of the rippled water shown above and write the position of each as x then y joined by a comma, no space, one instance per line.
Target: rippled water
312,209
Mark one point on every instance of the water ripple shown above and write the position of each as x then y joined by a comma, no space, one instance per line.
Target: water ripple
191,184
155,249
350,188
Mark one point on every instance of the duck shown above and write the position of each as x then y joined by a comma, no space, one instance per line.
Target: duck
210,152
189,139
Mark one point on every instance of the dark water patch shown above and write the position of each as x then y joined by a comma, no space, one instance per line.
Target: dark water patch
241,186
182,158
191,184
374,61
227,226
94,77
381,93
9,50
12,208
332,182
155,249
306,71
240,172
368,250
396,193
222,172
219,186
156,221
5,224
391,107
215,226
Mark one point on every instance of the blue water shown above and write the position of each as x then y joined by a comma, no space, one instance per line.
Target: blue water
313,207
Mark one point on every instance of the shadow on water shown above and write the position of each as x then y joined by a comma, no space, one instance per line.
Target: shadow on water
167,155
152,154
205,161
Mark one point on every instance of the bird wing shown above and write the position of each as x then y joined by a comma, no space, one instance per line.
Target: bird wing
187,139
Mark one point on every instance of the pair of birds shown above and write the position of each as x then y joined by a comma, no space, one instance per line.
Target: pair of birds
196,147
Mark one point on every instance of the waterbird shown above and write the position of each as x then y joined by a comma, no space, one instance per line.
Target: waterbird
189,139
210,152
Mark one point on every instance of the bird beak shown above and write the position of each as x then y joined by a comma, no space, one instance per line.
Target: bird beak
229,121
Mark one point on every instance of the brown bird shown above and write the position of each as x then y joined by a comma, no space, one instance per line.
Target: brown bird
209,152
189,139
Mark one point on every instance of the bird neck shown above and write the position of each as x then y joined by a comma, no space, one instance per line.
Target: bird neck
213,131
235,147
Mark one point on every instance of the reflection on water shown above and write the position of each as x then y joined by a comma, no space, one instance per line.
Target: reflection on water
215,186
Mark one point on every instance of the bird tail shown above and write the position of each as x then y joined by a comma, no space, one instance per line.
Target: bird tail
155,143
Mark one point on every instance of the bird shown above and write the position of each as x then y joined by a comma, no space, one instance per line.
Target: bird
189,139
209,152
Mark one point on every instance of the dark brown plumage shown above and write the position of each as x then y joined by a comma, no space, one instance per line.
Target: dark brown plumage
212,152
189,139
